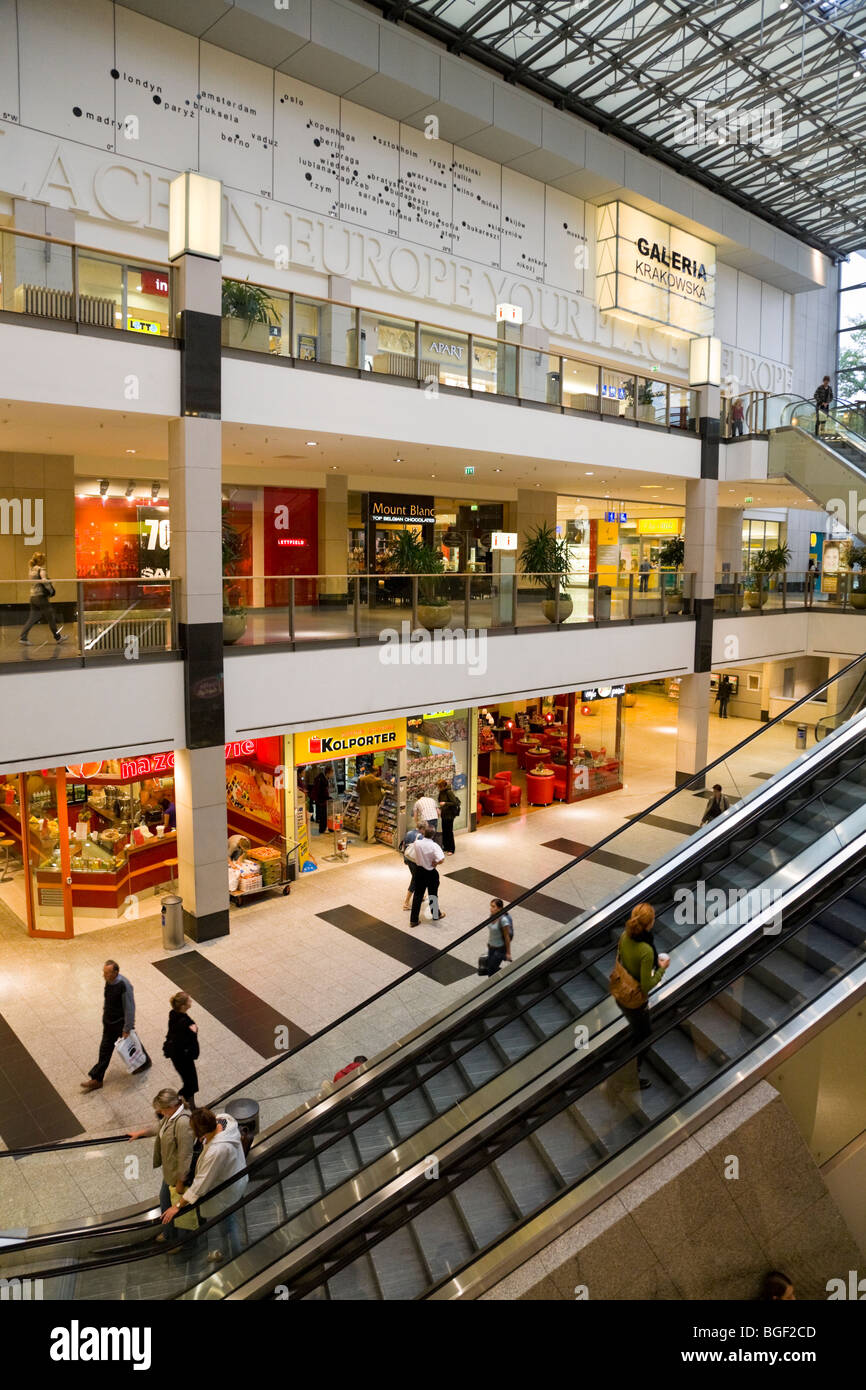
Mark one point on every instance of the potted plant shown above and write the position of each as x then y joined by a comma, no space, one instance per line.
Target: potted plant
756,582
248,315
544,557
234,612
672,556
857,581
409,555
645,401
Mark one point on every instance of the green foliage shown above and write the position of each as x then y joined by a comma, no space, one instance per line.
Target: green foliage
408,554
233,550
672,553
544,556
241,300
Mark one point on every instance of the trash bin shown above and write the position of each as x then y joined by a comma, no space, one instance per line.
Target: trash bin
800,740
602,611
246,1113
172,922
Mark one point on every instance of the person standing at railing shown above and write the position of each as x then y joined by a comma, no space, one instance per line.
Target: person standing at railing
644,573
41,594
738,416
823,398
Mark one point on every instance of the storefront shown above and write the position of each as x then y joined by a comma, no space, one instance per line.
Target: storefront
551,748
326,766
460,529
438,751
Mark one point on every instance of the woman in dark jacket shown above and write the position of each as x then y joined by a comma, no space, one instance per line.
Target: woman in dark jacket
449,810
321,792
181,1046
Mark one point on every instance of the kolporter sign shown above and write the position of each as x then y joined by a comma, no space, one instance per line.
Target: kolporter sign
649,270
349,740
402,511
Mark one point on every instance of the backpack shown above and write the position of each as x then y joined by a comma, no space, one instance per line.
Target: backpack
624,987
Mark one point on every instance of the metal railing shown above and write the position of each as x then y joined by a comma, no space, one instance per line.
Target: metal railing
97,618
278,609
46,277
789,591
310,330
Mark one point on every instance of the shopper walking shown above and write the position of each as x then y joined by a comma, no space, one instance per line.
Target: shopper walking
823,398
181,1045
371,790
449,810
643,570
409,840
637,971
320,797
425,812
500,934
118,1021
716,805
222,1157
738,415
723,695
41,594
427,856
173,1142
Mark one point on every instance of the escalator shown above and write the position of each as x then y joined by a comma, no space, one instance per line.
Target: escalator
851,706
497,1052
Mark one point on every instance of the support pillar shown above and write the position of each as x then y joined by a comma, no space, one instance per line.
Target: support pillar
700,560
195,503
334,540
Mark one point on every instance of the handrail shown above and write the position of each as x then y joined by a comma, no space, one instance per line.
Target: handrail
83,246
695,778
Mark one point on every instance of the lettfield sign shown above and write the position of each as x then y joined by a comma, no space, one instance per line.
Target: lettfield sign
650,270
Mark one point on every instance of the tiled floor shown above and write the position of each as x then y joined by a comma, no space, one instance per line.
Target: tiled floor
306,960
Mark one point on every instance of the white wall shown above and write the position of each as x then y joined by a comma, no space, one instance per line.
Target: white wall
268,694
112,374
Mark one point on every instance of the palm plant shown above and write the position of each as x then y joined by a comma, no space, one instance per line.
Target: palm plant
543,557
241,300
408,554
233,549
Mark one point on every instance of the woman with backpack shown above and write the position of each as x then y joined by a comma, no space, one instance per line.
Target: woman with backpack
449,810
181,1046
638,969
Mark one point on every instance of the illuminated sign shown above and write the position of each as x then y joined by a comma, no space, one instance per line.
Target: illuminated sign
84,769
659,526
504,540
291,540
412,511
509,313
323,744
616,516
154,282
650,271
142,325
601,692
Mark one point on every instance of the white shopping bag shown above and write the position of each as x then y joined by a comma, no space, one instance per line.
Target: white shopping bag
131,1052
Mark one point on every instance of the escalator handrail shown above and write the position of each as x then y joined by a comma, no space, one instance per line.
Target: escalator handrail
345,1102
466,1144
696,778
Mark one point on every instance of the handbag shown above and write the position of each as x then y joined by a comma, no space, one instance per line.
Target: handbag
624,987
189,1220
48,589
131,1052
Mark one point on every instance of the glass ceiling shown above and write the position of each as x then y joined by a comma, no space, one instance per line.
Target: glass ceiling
762,100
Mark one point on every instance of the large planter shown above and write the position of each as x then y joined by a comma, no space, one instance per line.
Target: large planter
674,603
753,598
646,412
234,626
565,608
858,598
433,616
240,333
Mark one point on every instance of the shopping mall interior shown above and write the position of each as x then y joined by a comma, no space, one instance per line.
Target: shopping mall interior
432,589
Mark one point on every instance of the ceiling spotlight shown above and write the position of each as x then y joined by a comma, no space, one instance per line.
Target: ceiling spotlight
154,490
130,451
130,488
103,487
497,470
311,443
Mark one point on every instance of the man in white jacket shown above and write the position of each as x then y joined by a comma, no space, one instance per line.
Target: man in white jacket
222,1157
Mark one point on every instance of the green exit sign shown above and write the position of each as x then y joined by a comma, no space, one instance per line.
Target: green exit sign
747,500
470,472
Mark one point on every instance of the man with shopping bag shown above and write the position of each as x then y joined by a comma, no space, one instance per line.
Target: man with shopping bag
118,1028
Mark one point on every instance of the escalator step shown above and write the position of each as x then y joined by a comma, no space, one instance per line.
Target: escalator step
606,1117
646,1106
338,1163
790,976
550,1016
749,1001
411,1113
399,1267
443,1238
376,1136
354,1283
678,1056
485,1210
516,1039
568,1148
583,992
446,1088
823,949
527,1176
301,1189
713,1029
845,918
481,1064
857,892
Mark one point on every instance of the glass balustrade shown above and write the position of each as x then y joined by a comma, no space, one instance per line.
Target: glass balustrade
124,619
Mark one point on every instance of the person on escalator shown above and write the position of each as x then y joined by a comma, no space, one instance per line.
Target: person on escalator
638,969
716,805
173,1141
222,1157
823,397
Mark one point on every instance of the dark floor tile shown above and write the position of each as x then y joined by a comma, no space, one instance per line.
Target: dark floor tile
541,903
230,1002
605,858
396,943
31,1110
